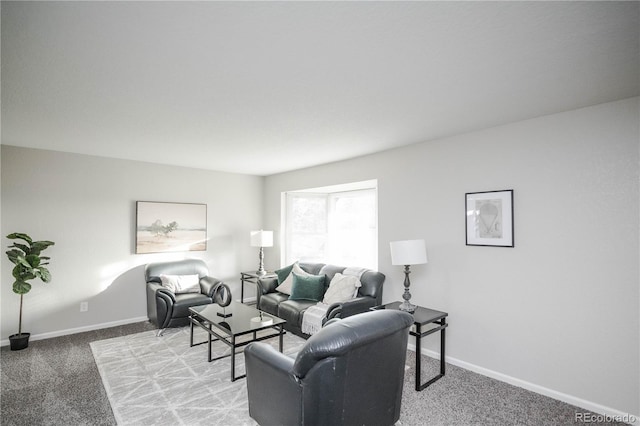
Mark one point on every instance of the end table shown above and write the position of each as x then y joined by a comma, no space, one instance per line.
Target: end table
252,277
426,321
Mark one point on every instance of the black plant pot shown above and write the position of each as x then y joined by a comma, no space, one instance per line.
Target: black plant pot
19,341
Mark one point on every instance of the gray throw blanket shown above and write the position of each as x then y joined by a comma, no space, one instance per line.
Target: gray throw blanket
312,318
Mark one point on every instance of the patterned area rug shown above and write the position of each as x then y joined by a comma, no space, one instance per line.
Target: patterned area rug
161,380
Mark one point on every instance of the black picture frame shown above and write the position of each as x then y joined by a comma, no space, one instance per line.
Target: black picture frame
489,218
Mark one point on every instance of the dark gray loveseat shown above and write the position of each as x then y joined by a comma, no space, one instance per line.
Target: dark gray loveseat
273,302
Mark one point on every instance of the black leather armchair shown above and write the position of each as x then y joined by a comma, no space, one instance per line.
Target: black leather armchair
349,373
166,309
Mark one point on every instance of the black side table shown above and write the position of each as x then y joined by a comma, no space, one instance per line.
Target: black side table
426,322
251,277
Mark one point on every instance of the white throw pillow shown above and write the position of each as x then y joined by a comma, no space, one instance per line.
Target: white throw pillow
181,283
286,285
342,289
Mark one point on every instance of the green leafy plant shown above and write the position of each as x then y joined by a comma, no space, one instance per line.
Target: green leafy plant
30,264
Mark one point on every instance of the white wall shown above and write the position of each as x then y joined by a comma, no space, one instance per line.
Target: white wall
86,205
560,311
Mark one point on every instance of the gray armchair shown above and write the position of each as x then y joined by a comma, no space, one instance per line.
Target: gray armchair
166,309
349,373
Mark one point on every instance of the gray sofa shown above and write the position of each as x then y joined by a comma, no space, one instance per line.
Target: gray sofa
273,302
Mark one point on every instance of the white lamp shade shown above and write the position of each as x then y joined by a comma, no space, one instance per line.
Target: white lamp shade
408,252
261,238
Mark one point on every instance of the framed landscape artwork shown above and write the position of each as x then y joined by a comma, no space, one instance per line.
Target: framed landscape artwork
168,227
489,218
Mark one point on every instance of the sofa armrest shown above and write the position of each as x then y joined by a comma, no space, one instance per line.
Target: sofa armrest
264,286
207,285
160,303
159,291
334,311
267,285
275,396
352,307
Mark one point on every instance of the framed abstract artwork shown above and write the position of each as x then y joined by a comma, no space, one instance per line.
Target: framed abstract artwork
168,227
489,218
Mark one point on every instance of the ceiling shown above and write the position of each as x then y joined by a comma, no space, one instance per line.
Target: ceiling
267,87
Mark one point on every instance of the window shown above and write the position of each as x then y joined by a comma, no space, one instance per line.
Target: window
337,225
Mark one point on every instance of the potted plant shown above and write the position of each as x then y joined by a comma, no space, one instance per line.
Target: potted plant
29,265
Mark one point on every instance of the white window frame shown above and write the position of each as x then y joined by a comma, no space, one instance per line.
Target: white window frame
330,194
288,225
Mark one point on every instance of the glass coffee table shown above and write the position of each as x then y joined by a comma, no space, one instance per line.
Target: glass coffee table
236,325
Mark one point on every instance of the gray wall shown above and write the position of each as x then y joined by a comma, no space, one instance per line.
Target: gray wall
559,312
87,206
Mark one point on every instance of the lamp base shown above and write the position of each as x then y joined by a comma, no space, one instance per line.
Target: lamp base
407,307
262,320
261,271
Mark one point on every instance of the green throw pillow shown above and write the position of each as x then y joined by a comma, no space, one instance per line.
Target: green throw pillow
284,273
307,287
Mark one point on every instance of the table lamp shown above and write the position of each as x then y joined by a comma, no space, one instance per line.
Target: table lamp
261,239
407,253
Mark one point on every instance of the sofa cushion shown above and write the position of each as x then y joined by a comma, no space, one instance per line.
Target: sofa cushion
181,283
269,302
186,300
330,271
307,287
341,289
152,271
283,273
312,268
287,283
293,310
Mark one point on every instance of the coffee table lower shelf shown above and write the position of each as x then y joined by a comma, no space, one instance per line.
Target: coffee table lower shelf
217,331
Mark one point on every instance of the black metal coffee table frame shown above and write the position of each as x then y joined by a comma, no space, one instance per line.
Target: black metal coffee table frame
207,318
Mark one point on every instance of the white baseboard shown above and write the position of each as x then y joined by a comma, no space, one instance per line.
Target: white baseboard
609,414
59,333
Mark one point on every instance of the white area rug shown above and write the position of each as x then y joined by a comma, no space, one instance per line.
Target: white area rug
162,381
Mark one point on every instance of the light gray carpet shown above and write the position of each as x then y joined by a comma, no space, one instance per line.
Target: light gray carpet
56,382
